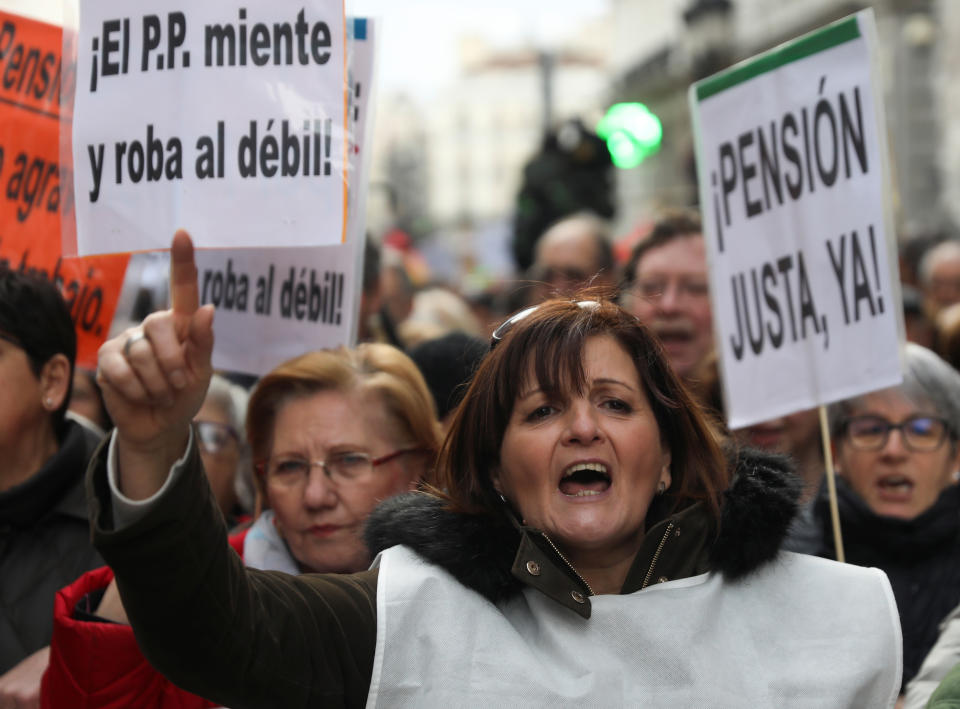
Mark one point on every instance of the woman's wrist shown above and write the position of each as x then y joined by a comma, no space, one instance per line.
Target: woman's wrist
143,467
111,607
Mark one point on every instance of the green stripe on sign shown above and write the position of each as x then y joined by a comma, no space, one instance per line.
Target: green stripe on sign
818,41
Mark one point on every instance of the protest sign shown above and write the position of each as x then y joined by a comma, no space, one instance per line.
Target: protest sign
228,118
274,304
794,188
32,198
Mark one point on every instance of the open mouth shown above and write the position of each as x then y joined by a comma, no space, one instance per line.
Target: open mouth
674,336
585,480
895,485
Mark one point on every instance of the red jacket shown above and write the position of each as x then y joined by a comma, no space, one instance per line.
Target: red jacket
99,665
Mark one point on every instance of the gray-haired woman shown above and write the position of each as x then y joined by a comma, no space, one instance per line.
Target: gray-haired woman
226,456
897,461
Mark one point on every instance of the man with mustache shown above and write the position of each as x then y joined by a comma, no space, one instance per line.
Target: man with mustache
666,286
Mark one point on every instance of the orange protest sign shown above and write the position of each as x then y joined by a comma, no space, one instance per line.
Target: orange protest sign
31,193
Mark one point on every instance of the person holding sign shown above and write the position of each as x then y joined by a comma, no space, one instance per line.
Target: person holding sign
897,457
342,406
587,543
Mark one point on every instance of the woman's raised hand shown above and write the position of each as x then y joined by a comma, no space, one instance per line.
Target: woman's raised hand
154,378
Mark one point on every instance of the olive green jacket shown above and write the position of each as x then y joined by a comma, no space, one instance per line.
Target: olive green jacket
947,694
248,638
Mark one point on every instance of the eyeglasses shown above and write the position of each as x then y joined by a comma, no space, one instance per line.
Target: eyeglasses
921,434
341,468
561,275
508,324
214,436
655,289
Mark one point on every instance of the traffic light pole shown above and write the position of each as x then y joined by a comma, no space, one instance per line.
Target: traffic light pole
546,85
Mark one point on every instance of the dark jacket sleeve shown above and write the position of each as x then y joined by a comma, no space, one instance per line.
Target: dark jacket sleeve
238,636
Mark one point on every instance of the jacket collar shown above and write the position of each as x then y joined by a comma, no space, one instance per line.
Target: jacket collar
497,558
57,486
264,548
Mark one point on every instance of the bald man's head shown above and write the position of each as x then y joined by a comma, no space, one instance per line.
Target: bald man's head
574,252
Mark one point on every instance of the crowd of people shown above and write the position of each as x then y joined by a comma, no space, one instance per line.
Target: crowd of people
530,499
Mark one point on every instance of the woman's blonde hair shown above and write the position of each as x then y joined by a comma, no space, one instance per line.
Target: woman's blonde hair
370,368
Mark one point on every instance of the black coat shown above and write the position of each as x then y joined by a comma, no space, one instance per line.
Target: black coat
44,545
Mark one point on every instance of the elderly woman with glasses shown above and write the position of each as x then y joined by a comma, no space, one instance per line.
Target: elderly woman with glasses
332,433
587,543
897,459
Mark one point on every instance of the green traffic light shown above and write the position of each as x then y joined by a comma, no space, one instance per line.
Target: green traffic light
632,133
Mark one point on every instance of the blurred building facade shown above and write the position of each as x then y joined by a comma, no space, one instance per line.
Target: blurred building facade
492,121
691,39
397,194
458,162
463,155
948,89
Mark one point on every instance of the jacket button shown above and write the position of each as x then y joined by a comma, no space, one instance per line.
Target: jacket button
577,596
662,579
677,533
533,568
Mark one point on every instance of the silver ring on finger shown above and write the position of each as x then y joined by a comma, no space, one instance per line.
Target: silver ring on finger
133,339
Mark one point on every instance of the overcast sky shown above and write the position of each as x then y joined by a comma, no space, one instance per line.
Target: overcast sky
418,51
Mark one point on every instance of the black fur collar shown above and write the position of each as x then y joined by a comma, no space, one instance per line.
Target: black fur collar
479,550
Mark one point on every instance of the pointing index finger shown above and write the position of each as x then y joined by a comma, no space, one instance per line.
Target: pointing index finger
184,293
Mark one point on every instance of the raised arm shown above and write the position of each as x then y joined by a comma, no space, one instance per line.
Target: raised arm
154,378
242,638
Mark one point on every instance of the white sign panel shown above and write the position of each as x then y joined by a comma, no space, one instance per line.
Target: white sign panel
791,152
275,304
226,117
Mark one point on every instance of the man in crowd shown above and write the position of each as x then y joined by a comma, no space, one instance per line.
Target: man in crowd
940,276
666,286
572,253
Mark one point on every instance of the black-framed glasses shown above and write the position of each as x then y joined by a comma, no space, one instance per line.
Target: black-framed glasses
508,324
921,433
214,436
340,468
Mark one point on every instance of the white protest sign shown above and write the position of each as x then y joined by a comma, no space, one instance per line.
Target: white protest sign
274,304
226,117
791,153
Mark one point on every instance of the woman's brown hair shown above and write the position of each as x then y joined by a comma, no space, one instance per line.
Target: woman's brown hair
552,337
